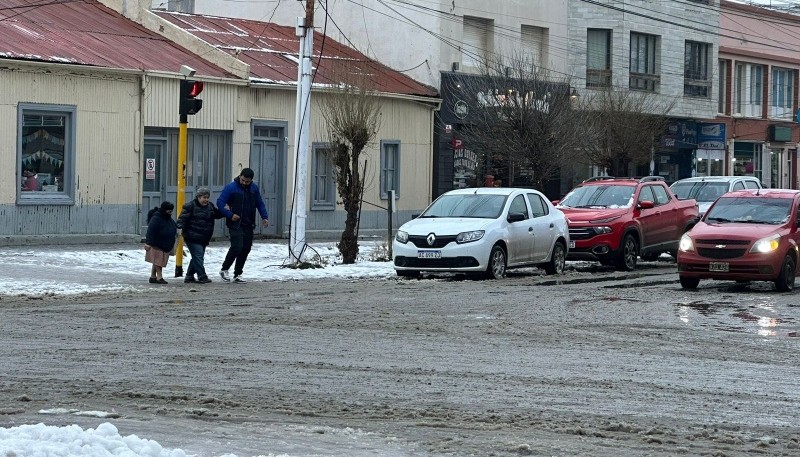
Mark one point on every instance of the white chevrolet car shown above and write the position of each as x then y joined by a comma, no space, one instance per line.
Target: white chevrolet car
483,230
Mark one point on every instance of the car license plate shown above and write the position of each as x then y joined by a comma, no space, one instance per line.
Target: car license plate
718,266
429,254
572,245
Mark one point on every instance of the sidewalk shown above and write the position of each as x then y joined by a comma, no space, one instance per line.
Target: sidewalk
75,269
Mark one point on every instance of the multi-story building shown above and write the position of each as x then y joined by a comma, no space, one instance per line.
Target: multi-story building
757,86
693,54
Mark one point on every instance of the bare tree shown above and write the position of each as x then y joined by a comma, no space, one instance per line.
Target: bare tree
523,120
623,127
352,114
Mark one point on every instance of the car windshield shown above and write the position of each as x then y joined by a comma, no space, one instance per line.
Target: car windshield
702,191
485,206
609,196
751,210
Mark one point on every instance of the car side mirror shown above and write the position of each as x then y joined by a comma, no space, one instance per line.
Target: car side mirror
515,217
414,216
646,204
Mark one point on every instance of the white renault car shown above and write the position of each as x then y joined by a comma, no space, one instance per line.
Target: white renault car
483,230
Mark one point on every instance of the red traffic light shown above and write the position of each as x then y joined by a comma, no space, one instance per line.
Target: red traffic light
187,103
195,89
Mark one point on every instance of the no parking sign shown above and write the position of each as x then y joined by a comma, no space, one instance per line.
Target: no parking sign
150,169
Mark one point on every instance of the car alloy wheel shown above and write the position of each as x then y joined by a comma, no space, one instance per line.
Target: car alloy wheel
497,263
557,260
627,254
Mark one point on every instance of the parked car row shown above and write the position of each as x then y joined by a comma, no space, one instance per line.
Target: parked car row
726,227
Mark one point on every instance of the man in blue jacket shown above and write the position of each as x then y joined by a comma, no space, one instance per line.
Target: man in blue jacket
239,201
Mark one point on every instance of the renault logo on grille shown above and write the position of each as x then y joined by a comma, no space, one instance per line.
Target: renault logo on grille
431,239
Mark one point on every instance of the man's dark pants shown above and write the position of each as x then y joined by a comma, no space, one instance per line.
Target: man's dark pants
241,242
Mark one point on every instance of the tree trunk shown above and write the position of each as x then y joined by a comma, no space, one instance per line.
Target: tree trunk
348,245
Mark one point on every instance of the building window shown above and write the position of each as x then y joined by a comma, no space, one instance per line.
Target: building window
749,89
696,74
782,89
46,158
598,58
722,86
534,41
323,187
390,168
477,41
644,75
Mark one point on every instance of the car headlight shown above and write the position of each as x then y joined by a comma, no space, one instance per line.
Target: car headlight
601,229
765,245
401,237
686,243
468,237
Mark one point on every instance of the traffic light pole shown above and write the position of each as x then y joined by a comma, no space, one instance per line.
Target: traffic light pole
302,126
183,133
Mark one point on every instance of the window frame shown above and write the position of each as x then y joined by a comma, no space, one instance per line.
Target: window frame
475,53
599,75
643,62
535,40
697,71
786,109
384,191
70,114
722,86
319,153
748,89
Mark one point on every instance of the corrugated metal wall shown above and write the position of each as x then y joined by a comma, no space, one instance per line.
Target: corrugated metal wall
106,157
161,105
108,160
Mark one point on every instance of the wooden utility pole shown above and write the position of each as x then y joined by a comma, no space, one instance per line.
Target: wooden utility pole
302,127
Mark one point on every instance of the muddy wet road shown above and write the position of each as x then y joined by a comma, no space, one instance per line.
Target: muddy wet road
593,363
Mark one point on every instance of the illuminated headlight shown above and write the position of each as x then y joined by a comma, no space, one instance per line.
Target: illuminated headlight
467,237
765,245
401,237
686,243
601,230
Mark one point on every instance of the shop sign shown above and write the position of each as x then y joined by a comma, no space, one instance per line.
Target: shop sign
711,136
680,135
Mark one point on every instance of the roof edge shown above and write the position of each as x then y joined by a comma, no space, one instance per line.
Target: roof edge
151,21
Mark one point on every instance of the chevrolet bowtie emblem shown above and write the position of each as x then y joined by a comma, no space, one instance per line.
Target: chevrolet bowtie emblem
431,239
720,246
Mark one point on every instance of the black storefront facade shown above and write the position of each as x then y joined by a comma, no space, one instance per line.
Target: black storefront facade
455,164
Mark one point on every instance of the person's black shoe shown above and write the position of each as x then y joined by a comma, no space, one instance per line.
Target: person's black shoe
153,281
190,279
204,280
161,281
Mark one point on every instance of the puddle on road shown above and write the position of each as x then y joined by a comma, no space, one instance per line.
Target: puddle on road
764,319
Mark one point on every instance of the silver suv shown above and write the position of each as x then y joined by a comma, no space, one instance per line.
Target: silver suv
706,189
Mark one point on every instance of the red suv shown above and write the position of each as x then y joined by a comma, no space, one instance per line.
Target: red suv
614,220
747,235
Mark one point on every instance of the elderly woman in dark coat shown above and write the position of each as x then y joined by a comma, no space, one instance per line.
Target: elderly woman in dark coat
196,223
160,240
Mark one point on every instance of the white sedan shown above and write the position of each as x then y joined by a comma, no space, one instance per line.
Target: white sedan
483,230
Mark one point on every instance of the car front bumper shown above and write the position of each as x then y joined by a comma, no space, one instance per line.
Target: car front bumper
749,267
467,257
